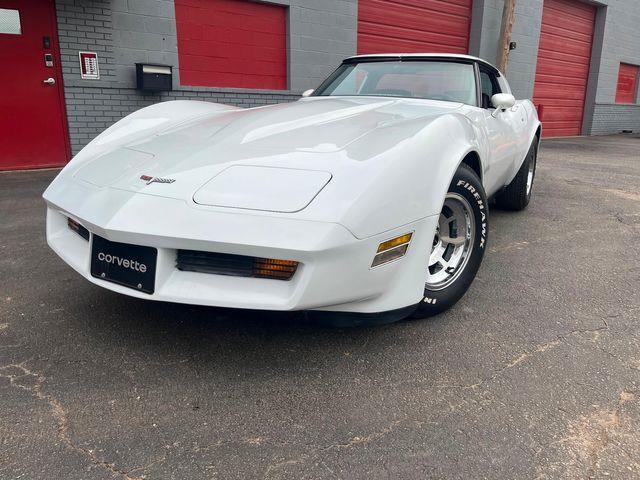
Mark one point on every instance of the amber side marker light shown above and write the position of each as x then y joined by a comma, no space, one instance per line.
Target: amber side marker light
392,249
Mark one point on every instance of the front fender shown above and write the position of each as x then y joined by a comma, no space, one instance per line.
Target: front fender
408,181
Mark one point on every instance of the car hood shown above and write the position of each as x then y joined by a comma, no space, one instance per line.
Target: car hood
241,158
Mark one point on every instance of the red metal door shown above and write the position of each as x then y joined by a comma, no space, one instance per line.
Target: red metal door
33,129
564,55
413,26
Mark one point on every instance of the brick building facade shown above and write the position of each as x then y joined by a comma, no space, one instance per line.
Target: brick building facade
319,34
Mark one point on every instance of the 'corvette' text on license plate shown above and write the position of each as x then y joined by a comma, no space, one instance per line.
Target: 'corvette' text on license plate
132,266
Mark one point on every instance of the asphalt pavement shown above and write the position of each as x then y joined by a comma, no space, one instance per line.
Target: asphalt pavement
534,374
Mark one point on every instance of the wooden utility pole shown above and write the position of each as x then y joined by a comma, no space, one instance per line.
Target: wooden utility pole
508,14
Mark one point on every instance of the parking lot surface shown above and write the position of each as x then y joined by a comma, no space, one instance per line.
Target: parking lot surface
534,374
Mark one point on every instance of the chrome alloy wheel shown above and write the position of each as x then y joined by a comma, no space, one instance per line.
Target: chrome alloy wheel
530,174
452,244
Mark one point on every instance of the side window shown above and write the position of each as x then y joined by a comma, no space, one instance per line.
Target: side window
490,87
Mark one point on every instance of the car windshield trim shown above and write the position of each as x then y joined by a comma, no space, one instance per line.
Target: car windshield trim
418,58
359,95
347,66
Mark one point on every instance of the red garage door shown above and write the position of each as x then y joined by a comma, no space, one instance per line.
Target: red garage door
392,26
232,43
563,65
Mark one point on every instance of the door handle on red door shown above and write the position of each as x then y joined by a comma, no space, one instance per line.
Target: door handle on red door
49,81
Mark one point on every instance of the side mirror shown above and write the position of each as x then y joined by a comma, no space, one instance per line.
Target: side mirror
307,93
503,101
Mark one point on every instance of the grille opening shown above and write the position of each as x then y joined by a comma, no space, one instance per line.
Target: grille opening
79,229
235,265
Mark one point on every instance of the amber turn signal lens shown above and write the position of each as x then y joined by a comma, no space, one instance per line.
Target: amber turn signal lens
274,268
392,249
394,242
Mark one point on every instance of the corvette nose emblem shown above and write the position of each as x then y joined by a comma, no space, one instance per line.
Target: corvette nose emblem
149,179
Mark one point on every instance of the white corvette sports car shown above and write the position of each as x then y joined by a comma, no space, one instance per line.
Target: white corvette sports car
366,198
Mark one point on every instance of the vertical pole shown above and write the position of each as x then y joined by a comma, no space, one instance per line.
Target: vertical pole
508,14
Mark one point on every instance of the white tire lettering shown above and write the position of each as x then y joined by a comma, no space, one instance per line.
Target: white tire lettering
476,195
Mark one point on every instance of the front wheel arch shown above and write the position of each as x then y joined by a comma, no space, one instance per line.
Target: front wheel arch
472,160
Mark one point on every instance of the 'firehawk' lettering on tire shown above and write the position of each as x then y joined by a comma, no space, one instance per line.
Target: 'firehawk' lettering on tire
478,197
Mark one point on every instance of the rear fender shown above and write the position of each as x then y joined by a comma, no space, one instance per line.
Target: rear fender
533,126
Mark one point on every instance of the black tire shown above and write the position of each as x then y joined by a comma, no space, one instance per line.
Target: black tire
465,184
516,196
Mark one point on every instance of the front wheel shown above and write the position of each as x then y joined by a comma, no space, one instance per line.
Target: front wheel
458,245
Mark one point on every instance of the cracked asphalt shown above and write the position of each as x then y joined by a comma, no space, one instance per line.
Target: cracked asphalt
534,374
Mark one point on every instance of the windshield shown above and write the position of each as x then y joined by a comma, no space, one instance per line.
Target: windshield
449,81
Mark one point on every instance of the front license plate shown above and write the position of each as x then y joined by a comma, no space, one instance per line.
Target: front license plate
132,266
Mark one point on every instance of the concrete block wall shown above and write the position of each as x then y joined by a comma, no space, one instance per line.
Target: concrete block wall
321,33
521,69
144,31
526,33
485,29
620,42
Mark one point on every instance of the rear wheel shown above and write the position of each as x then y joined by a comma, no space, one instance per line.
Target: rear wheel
517,194
458,245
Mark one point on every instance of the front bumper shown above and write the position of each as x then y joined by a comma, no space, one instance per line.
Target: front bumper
334,272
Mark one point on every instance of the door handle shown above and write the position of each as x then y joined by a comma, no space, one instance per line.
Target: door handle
49,81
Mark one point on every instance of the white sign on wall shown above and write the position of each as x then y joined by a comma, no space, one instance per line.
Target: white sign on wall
89,65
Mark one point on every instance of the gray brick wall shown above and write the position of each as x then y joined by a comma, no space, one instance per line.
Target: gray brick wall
612,118
90,110
85,26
